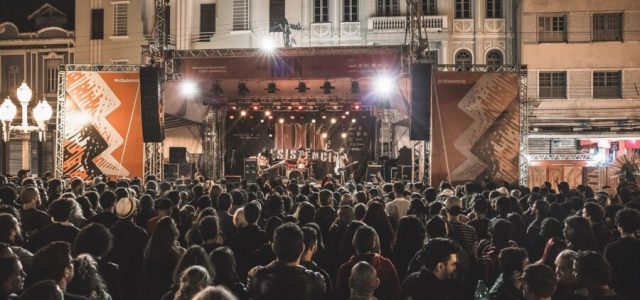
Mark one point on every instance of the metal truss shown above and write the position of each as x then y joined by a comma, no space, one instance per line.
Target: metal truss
577,156
153,164
58,163
523,163
287,104
420,165
100,68
303,51
213,162
482,68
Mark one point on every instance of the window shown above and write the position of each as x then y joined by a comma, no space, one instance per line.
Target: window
350,10
119,61
276,15
552,29
552,85
320,11
431,57
167,21
12,80
607,85
494,57
388,8
51,75
97,24
463,9
240,14
207,21
494,9
463,57
429,7
120,14
607,27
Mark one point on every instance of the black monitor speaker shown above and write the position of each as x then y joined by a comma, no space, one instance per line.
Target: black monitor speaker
420,102
152,112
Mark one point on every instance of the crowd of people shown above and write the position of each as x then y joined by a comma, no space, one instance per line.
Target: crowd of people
68,238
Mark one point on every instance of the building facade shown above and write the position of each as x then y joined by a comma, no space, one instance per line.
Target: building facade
583,61
35,39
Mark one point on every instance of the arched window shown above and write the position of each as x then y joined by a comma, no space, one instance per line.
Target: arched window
494,57
463,57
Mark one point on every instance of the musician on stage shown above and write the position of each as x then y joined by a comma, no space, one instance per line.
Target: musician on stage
341,162
264,158
303,160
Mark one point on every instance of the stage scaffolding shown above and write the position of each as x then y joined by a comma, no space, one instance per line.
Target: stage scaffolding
152,151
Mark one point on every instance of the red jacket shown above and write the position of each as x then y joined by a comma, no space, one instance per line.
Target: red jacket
389,287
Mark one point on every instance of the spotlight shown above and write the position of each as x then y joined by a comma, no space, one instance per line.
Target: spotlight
324,117
302,87
189,88
271,88
355,87
267,113
343,117
324,135
347,113
267,45
300,107
353,120
232,117
327,87
333,120
313,120
357,107
343,135
216,89
383,85
293,117
255,107
243,113
281,120
261,120
242,89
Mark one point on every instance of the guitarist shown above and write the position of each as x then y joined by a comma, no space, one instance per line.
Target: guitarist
341,162
264,160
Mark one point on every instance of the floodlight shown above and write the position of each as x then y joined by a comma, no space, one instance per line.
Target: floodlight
189,88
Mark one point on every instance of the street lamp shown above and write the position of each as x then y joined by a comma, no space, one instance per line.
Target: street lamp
41,114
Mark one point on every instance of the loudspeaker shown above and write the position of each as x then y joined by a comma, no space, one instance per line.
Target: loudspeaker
250,170
185,170
171,171
177,155
152,112
420,102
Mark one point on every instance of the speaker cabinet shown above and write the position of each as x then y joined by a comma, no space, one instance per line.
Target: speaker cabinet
420,102
152,112
250,170
177,155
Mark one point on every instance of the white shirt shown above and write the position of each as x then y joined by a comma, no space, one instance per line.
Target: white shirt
397,208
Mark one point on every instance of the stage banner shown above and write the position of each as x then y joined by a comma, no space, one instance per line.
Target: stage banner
103,125
475,130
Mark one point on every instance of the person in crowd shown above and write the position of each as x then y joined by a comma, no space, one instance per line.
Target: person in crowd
249,238
86,280
540,211
194,256
54,262
579,235
623,254
129,242
96,240
364,243
61,229
463,234
264,255
480,221
192,280
409,239
430,282
377,218
108,216
363,281
225,218
210,234
32,218
539,282
567,283
285,278
325,214
11,235
146,211
161,257
594,213
509,282
43,290
501,232
397,208
214,293
164,208
593,275
226,275
306,260
12,277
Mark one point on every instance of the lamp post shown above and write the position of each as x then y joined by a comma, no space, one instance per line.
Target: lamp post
41,114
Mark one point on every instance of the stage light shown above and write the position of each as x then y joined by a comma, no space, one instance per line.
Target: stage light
267,45
313,120
261,120
324,117
270,117
242,89
353,120
347,112
343,117
300,107
357,107
267,113
327,87
302,87
383,85
333,120
289,107
271,88
281,120
243,113
189,88
343,135
232,117
324,135
234,107
255,107
355,87
270,134
293,117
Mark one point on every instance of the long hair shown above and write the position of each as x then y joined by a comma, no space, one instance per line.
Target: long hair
192,280
194,256
582,238
377,218
162,244
86,280
225,263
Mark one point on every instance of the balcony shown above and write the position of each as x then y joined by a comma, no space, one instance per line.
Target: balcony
350,31
399,23
463,26
320,31
202,37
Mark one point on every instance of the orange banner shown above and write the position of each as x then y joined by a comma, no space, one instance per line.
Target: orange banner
103,125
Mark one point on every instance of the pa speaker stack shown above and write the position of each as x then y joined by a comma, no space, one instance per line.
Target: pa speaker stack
420,102
152,112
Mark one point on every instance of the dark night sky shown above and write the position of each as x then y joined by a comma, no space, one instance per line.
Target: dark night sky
17,11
